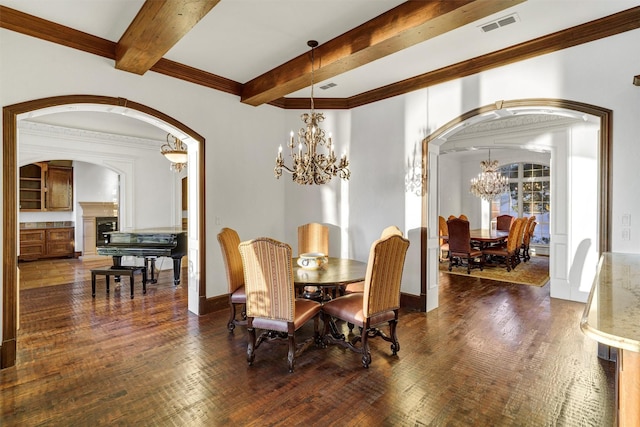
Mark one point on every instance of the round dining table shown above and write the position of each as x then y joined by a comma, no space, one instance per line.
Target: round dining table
336,273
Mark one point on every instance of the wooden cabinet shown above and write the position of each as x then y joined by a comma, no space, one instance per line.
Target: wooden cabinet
46,243
31,187
46,186
59,188
32,244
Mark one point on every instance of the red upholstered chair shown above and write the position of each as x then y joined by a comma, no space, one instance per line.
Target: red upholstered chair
229,241
460,251
378,304
464,217
271,302
508,254
503,222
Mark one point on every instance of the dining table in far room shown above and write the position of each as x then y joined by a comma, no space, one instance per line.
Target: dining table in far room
485,237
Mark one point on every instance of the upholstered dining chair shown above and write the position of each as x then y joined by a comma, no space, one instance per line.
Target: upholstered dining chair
271,302
460,251
229,241
503,222
313,237
359,286
464,217
526,240
444,243
507,254
377,304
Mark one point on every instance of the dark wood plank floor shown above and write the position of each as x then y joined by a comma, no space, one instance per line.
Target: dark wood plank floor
493,354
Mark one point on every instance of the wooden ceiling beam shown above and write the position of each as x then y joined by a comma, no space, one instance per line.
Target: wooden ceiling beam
157,27
406,25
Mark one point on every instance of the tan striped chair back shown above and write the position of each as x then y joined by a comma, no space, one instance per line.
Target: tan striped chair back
313,237
268,276
390,231
229,241
384,275
515,235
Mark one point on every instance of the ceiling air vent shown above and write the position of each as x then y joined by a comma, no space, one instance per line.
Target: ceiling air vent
328,86
500,22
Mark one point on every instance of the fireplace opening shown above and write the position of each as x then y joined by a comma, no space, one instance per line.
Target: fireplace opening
105,224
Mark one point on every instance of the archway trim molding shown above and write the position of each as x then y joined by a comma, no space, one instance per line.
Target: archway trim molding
10,116
428,285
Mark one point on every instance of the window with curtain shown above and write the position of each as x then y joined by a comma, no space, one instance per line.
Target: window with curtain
529,194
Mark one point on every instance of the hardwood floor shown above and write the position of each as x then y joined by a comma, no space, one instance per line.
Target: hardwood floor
492,354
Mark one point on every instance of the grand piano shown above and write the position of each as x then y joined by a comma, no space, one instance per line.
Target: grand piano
149,244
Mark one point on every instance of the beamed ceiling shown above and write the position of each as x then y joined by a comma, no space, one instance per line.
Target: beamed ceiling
369,49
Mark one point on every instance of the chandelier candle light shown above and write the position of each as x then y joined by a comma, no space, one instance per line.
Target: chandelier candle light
176,152
310,166
490,183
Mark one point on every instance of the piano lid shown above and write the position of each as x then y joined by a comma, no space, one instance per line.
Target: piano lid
151,237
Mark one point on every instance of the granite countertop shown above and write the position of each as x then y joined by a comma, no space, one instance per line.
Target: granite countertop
46,224
612,313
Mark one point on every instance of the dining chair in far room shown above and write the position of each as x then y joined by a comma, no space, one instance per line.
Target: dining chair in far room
460,251
526,239
271,302
503,222
313,237
377,305
229,241
507,254
444,242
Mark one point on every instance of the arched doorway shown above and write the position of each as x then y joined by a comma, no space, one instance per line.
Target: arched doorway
430,148
11,115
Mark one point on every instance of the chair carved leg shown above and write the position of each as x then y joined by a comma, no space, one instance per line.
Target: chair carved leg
251,333
232,317
366,353
291,357
395,345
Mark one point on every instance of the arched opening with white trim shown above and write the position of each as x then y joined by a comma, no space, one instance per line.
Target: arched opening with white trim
196,229
435,144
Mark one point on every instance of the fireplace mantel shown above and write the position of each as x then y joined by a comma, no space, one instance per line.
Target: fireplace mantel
91,210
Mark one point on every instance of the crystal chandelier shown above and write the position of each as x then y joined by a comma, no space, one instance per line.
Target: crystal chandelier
490,183
310,166
176,152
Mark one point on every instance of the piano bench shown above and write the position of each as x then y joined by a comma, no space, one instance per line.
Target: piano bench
118,271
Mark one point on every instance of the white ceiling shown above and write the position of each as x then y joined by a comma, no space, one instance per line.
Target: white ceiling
242,39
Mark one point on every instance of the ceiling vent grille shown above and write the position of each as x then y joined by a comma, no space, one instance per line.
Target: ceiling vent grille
499,23
328,86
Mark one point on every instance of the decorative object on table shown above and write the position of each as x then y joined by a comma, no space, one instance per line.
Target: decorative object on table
229,241
460,251
309,165
378,304
489,183
176,152
271,302
312,260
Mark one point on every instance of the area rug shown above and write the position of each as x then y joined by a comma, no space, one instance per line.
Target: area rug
534,272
